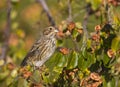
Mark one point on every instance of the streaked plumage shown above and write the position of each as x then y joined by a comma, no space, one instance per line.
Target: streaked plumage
43,48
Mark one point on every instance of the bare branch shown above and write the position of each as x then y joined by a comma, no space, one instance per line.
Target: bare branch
46,9
6,32
69,11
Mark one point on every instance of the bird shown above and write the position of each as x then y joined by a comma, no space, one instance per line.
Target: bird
42,49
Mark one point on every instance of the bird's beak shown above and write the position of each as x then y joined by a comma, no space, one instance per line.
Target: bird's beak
56,30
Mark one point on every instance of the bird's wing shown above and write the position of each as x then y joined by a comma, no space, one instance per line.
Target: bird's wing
27,57
33,53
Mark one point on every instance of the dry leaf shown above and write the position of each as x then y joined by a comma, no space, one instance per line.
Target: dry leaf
60,34
64,51
71,26
97,28
11,66
111,53
95,76
80,31
27,74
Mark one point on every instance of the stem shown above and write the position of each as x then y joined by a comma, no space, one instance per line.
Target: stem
85,21
6,33
46,9
69,11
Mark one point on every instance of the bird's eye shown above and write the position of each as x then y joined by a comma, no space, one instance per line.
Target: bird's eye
50,28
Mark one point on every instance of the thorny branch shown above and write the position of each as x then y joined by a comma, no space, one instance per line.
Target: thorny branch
46,9
6,32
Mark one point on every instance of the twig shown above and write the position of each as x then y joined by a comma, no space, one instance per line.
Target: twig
116,81
108,12
70,19
6,32
85,21
75,44
69,11
46,9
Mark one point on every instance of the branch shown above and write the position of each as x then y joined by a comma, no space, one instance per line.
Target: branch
85,21
70,19
6,32
69,11
108,12
75,44
46,9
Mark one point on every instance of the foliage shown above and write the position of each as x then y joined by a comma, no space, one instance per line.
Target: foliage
83,59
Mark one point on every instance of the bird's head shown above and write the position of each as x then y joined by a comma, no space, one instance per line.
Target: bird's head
50,31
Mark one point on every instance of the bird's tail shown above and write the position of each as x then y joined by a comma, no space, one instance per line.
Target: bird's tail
24,63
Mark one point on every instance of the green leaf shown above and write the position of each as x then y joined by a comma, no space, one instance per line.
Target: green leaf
78,25
52,61
86,60
95,3
92,58
73,60
88,43
104,81
84,52
111,83
80,61
75,33
53,76
22,83
61,60
105,59
36,76
115,43
3,75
